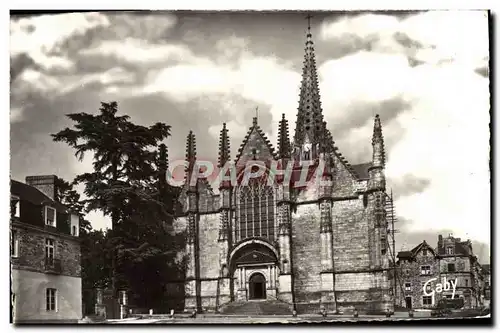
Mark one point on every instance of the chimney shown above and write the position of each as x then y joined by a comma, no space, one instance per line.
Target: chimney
45,184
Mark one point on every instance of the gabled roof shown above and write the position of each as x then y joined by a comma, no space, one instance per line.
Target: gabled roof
255,128
35,196
413,252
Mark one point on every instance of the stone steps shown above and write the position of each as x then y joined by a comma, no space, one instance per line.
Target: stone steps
256,308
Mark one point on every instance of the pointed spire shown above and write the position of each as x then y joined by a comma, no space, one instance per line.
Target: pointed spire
283,139
378,144
310,115
224,146
190,154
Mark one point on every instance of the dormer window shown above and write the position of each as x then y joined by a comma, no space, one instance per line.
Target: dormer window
50,216
449,250
15,206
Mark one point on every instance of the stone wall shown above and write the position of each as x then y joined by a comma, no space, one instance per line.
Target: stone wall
306,257
410,272
350,236
209,246
343,180
31,247
464,276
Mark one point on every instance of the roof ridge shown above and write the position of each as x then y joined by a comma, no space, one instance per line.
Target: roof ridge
263,135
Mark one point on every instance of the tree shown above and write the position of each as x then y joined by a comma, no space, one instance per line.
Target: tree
95,248
69,197
123,168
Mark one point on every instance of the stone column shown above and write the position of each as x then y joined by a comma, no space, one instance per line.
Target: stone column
192,285
224,244
327,275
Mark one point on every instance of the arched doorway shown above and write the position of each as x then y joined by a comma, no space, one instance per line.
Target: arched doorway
257,286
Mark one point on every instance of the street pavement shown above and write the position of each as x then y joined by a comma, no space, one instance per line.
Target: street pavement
239,319
269,319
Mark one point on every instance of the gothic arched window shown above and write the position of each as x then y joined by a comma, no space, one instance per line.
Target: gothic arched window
255,212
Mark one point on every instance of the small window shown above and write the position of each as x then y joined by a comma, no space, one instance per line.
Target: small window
424,252
49,248
15,206
407,286
427,300
383,245
50,216
73,231
449,250
486,284
51,299
425,270
466,282
451,267
14,243
407,271
428,287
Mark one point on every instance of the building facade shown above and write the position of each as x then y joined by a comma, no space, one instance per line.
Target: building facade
487,285
452,260
415,269
457,261
321,245
45,254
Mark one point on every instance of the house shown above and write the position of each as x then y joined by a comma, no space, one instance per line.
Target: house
414,269
487,284
45,254
457,261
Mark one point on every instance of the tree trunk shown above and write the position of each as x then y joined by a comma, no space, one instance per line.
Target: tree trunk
114,226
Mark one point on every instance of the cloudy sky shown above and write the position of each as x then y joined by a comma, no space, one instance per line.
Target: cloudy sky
425,73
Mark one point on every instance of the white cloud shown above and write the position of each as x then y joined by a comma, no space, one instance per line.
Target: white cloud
445,131
16,114
138,51
115,75
446,135
41,36
458,35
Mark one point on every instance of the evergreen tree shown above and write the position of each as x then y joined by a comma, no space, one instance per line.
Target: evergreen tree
95,249
124,171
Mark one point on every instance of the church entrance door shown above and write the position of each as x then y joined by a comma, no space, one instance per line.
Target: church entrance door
257,286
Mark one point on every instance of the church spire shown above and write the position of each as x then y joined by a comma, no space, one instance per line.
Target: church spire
378,144
376,171
224,147
283,139
310,116
190,157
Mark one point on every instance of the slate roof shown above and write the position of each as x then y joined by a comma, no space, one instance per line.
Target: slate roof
33,195
461,248
413,252
362,170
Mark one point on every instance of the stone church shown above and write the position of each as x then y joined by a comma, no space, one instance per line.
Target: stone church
308,247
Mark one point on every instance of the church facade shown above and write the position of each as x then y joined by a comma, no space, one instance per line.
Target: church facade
323,244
